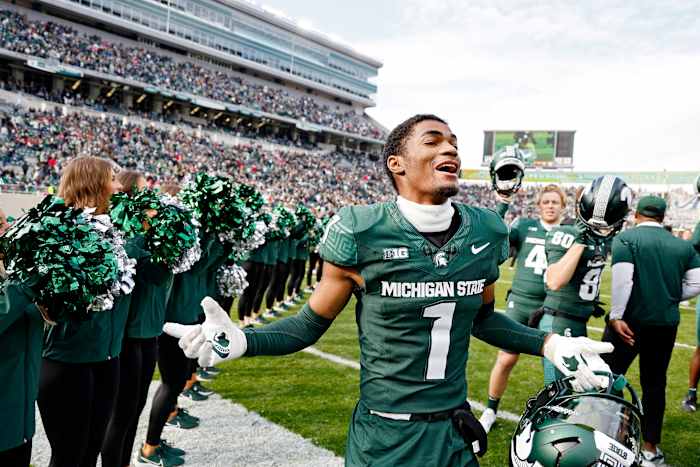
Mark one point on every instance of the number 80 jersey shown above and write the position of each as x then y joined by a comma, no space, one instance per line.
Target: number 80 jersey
418,303
578,295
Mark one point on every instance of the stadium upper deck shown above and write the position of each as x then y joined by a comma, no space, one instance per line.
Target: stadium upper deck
241,33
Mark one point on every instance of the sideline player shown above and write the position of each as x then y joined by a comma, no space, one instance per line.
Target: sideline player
690,403
576,257
527,238
423,270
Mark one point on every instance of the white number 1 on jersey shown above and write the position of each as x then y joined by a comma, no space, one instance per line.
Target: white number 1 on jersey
439,338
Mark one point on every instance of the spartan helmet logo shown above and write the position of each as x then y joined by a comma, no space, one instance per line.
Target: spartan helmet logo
440,259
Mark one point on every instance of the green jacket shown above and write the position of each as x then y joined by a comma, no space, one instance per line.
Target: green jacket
190,287
258,255
98,338
149,300
21,328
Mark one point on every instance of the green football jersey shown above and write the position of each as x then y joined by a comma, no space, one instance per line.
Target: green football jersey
418,303
528,238
578,295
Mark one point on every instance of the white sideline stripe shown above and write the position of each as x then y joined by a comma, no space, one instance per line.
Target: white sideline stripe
355,365
332,358
597,329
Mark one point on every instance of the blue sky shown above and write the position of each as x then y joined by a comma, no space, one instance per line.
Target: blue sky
624,74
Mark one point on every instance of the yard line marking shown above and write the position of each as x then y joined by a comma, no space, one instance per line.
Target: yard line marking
355,365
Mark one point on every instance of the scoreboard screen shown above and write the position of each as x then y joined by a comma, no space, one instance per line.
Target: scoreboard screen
540,148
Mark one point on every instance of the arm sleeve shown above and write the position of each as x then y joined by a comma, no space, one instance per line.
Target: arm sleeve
502,209
500,331
514,233
338,244
691,283
622,282
287,335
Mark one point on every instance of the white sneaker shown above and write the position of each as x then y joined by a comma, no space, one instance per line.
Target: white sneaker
651,459
487,419
308,290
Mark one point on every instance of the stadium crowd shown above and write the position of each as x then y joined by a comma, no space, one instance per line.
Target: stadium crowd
34,146
50,40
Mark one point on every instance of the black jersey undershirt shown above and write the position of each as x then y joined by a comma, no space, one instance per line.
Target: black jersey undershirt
440,238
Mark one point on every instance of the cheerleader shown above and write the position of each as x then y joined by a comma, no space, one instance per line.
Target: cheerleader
80,365
139,349
21,327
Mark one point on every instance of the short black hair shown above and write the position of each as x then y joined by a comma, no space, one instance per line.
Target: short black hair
396,140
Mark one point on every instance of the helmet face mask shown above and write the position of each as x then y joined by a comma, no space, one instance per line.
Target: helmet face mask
563,428
507,170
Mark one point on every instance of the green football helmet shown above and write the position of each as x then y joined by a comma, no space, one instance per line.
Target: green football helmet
564,428
603,205
507,170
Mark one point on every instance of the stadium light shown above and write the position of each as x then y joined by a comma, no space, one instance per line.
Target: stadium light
112,91
217,115
141,98
76,85
195,110
168,104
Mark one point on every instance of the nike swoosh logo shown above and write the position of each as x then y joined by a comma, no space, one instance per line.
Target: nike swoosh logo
478,250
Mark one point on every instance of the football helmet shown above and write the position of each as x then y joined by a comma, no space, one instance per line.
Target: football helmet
507,170
564,428
603,205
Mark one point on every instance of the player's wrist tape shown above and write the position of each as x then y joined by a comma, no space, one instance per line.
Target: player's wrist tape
500,331
287,335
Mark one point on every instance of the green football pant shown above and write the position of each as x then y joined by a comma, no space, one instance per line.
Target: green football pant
563,327
377,441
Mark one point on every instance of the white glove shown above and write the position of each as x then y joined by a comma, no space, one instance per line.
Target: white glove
216,340
578,356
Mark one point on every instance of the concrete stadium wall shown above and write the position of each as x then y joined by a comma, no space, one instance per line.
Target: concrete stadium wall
15,204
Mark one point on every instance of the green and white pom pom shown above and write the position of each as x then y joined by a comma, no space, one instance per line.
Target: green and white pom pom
72,263
231,280
218,207
172,238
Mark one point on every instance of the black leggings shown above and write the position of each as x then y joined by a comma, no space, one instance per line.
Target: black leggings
18,456
265,281
175,370
254,275
137,363
315,262
75,401
277,283
296,276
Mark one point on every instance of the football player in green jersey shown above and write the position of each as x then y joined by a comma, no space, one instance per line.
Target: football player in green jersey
576,255
527,237
423,271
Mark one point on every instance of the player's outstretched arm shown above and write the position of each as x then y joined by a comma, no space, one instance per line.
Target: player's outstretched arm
578,356
219,339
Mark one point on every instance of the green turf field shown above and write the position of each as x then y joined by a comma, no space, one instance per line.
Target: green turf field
315,398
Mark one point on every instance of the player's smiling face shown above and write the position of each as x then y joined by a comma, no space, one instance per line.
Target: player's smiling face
429,166
550,207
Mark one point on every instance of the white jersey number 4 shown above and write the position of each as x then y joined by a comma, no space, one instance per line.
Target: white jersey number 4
537,260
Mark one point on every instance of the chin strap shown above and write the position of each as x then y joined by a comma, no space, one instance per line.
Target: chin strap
427,217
